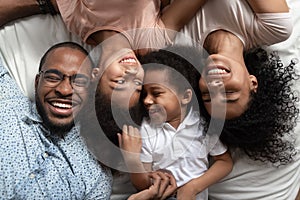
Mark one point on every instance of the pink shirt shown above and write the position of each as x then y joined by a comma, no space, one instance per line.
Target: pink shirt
85,17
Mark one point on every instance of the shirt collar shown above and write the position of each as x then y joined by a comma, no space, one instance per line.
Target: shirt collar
190,119
32,115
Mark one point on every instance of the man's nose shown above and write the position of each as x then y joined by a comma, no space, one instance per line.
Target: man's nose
64,87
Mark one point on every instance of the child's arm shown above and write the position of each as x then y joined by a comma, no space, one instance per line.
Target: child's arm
180,12
268,6
221,167
130,142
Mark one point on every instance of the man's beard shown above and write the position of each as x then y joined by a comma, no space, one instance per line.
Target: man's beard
55,128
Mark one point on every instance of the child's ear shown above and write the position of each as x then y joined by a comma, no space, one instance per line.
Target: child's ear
187,96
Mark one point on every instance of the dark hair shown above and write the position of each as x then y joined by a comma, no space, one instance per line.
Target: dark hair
180,62
271,115
71,45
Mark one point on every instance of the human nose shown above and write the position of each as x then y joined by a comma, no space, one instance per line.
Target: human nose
148,100
215,87
131,70
65,87
217,83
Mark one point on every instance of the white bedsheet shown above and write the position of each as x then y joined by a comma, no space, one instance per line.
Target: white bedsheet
23,42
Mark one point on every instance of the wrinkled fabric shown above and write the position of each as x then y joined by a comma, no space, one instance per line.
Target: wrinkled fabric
34,164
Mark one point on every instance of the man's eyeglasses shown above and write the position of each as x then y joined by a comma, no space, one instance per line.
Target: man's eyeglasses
53,78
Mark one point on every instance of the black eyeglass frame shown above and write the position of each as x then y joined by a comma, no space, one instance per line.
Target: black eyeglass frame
78,82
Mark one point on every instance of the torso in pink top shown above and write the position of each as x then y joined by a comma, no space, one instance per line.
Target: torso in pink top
85,17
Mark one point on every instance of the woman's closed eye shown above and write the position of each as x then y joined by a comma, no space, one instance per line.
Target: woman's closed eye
138,82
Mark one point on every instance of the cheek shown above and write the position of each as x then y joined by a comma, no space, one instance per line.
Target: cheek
42,91
202,85
134,99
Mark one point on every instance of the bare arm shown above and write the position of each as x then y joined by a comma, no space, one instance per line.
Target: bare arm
130,142
180,12
15,9
268,6
298,196
163,186
221,167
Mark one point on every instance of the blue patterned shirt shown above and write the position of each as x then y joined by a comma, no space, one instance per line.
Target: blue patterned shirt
34,164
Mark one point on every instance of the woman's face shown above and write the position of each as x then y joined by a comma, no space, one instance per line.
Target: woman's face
122,79
225,86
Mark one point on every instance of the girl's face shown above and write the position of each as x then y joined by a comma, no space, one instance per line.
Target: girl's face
161,99
225,86
122,79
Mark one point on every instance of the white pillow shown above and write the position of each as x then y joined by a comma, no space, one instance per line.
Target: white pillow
24,41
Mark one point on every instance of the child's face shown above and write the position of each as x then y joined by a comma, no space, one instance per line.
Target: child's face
160,98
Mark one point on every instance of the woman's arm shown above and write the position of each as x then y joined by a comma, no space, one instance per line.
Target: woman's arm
269,6
15,9
221,167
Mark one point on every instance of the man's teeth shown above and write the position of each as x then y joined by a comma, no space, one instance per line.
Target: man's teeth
216,71
128,60
62,105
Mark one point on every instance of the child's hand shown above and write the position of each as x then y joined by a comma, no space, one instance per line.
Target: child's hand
130,142
130,139
167,183
163,186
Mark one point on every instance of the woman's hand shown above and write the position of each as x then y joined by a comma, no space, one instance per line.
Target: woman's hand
164,185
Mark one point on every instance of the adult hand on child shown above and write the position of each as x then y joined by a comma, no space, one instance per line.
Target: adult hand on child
164,185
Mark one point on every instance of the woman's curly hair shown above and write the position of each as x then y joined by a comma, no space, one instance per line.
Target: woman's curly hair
272,113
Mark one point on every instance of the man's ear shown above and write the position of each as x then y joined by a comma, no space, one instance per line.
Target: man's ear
253,83
187,96
95,73
36,81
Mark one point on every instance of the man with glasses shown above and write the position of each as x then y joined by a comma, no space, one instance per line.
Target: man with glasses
42,153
